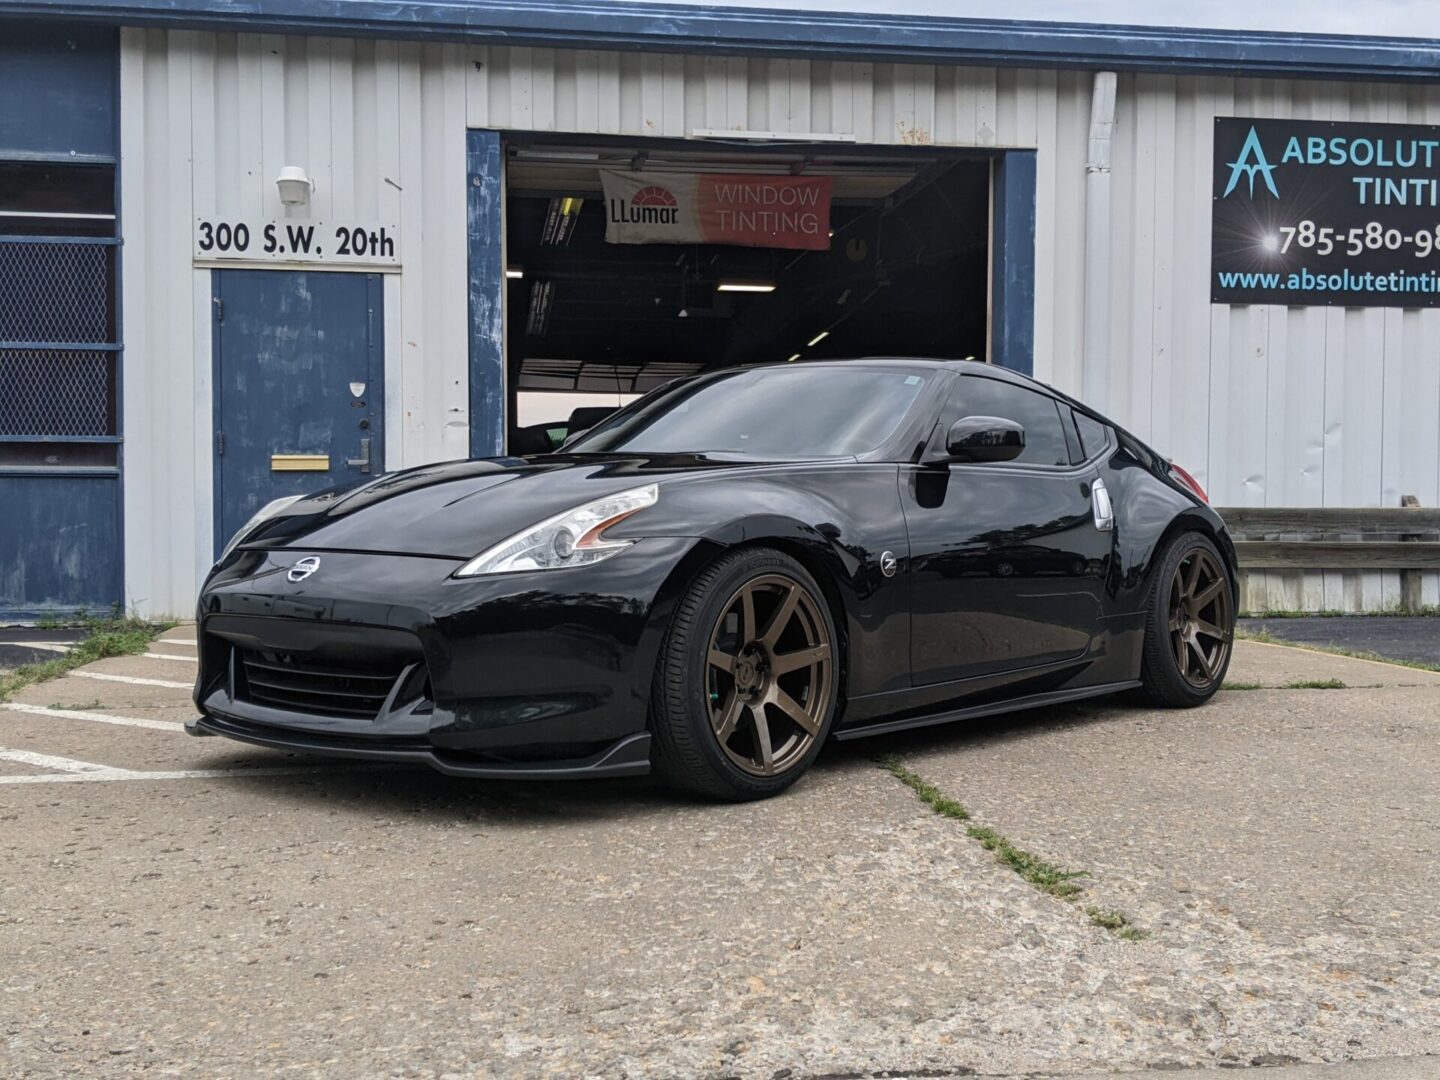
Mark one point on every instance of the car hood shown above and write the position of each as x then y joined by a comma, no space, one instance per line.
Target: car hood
457,509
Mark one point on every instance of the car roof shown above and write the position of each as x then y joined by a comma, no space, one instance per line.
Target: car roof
892,363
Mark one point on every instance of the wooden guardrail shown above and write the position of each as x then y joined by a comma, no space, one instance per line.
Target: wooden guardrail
1405,538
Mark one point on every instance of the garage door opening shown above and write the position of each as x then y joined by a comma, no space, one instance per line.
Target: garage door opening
590,324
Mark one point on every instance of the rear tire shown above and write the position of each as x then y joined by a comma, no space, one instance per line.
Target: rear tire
745,687
1190,624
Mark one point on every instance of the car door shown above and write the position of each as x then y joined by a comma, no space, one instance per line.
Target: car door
1006,559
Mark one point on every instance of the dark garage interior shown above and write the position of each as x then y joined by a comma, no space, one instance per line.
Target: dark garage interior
906,273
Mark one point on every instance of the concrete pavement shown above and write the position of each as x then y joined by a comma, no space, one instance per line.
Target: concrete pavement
200,908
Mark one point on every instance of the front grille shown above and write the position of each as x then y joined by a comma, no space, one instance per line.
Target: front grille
282,682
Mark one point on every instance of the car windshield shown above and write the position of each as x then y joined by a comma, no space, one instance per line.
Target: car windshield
770,413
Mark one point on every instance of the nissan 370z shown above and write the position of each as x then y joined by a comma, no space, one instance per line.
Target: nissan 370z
720,577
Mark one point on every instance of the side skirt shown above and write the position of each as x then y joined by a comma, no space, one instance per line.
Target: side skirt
994,708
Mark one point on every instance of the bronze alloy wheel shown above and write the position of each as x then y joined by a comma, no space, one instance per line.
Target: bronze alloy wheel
1202,618
768,673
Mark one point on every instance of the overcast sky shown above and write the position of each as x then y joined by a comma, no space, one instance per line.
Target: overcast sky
1398,18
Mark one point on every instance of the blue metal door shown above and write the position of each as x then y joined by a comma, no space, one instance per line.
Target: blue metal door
299,374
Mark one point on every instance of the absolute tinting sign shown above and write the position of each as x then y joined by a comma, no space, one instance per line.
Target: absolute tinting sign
1319,212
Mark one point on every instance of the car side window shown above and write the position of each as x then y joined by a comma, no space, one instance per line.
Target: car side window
1039,414
1093,434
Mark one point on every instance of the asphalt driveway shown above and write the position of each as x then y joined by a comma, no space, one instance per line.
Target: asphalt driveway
1403,637
196,908
21,645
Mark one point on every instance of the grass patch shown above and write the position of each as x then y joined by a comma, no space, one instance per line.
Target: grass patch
929,794
117,634
1241,686
1265,637
1117,922
1314,684
1045,876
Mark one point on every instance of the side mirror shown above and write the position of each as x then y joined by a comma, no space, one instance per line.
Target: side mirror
985,439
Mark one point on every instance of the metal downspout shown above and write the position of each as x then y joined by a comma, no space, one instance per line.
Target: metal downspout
1096,350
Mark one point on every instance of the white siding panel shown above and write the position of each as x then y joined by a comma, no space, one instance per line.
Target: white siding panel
1268,405
207,122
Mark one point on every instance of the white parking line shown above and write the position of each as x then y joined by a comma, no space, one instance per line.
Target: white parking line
99,718
172,656
49,761
134,680
45,646
176,641
103,774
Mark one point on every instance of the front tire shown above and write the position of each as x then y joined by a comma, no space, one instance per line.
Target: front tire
1190,624
745,689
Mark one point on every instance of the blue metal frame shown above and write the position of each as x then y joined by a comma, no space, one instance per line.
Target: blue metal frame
485,194
83,104
1012,267
603,24
92,241
60,89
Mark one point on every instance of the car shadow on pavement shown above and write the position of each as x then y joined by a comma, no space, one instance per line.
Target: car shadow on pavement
405,790
961,735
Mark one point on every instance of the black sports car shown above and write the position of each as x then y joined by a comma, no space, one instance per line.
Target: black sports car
720,577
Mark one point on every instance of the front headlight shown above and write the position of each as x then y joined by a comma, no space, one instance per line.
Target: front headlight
574,538
266,512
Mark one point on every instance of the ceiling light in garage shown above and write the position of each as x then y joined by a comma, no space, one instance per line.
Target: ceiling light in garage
793,358
514,273
821,336
745,286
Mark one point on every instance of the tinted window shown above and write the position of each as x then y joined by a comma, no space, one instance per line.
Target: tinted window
1092,434
773,413
1036,412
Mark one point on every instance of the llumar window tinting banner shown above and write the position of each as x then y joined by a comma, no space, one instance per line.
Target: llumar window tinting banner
1318,212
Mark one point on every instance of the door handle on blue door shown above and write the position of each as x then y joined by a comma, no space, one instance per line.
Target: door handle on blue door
363,461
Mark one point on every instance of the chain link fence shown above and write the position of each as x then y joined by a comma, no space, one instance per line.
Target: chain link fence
53,392
55,292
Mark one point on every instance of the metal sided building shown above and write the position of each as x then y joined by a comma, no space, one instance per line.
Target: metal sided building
258,246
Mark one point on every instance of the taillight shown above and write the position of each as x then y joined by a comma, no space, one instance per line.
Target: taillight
1190,482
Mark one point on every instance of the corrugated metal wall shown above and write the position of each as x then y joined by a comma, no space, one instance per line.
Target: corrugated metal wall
1269,406
207,121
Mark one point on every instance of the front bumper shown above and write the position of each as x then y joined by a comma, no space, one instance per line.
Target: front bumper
629,756
387,657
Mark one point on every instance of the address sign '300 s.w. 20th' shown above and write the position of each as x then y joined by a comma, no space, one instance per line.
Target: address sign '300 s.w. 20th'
337,244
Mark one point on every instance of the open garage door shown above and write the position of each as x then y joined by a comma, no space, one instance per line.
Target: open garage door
901,267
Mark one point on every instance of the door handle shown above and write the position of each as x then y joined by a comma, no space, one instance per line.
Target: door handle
363,461
1103,507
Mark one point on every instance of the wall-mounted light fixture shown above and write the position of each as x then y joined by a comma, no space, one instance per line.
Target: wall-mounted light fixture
294,186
